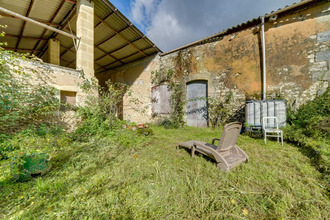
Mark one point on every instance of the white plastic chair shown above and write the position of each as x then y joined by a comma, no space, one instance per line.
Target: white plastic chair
270,128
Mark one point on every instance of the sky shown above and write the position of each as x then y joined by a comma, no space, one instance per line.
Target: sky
174,23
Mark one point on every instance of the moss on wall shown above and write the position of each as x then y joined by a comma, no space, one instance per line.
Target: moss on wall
233,62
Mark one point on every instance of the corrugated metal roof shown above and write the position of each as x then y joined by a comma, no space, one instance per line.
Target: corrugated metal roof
115,37
32,30
243,25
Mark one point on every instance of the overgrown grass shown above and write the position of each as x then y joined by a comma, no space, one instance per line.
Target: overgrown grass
309,128
129,176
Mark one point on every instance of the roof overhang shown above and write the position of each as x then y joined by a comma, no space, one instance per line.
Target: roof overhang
117,41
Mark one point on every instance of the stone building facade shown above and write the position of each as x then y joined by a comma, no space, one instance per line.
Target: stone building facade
297,62
66,80
74,40
297,44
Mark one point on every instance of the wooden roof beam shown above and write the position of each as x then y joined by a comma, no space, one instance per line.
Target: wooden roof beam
67,49
69,63
113,57
24,23
26,37
41,21
106,2
102,42
125,58
115,50
113,30
38,23
74,2
106,17
55,35
51,20
20,49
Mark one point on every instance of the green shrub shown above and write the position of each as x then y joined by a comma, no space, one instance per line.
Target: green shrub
177,100
177,104
102,107
27,108
310,116
219,109
168,123
309,128
21,102
145,131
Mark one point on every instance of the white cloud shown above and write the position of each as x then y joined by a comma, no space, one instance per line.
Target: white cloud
174,23
143,10
166,31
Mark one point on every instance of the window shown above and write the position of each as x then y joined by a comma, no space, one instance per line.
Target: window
68,98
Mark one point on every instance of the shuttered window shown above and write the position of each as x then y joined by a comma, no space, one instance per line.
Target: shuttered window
161,99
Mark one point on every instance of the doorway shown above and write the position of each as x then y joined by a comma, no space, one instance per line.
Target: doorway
197,113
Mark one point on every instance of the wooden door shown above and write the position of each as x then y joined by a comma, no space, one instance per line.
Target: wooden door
197,114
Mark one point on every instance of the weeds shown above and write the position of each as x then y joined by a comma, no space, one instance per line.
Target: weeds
219,110
138,177
100,113
103,172
177,100
308,119
309,129
23,103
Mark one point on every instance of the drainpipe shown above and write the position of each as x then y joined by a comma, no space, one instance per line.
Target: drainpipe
263,58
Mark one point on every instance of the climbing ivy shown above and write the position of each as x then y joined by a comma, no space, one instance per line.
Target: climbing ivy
158,77
177,104
23,103
177,101
219,109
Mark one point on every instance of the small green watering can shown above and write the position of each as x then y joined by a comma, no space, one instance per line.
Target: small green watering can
33,164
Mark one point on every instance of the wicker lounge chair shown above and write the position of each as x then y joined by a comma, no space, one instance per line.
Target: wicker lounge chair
227,154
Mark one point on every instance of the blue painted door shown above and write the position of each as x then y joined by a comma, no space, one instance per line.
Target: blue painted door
197,114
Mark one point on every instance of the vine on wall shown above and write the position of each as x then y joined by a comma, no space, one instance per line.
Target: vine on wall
23,101
219,109
177,101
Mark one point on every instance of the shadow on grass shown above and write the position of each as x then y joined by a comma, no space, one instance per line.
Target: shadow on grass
198,154
316,160
308,150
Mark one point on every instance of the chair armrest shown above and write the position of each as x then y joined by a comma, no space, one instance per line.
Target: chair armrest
212,152
215,139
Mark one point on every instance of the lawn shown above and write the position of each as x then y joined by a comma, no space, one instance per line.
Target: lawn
132,177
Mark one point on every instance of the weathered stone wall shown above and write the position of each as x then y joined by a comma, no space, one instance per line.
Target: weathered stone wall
297,63
61,78
136,107
296,54
37,73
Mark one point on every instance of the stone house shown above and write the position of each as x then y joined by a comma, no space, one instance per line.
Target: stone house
296,47
75,40
297,55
